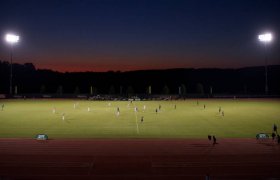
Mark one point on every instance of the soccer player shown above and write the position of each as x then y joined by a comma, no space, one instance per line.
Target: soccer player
63,116
223,114
118,109
220,109
175,106
135,109
54,110
204,106
142,119
88,109
197,103
159,107
74,105
2,107
144,107
156,110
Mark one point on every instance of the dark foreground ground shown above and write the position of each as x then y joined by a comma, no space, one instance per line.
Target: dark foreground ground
139,159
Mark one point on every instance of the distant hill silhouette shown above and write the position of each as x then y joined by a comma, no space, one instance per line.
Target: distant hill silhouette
249,80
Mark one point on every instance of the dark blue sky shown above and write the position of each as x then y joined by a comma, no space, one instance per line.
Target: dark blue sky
91,35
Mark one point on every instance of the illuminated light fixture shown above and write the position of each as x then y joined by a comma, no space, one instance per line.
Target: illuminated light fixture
267,37
11,38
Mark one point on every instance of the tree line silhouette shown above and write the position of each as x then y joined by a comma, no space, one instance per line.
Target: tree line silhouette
249,80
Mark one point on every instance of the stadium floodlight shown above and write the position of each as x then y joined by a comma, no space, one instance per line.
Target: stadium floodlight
265,38
11,39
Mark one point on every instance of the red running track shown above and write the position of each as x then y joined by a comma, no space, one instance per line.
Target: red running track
158,159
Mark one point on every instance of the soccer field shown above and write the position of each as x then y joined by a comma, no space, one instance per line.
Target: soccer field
242,118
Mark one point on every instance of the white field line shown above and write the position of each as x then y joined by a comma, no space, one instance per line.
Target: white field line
137,128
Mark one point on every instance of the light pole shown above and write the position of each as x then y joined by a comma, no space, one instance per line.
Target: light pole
11,39
265,38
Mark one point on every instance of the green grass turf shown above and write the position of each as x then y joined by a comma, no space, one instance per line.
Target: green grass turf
243,118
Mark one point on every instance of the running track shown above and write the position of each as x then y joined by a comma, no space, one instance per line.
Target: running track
158,159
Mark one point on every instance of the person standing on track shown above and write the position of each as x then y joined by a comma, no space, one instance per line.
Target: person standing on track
214,140
275,128
273,135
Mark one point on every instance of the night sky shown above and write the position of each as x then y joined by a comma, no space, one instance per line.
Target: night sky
102,35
